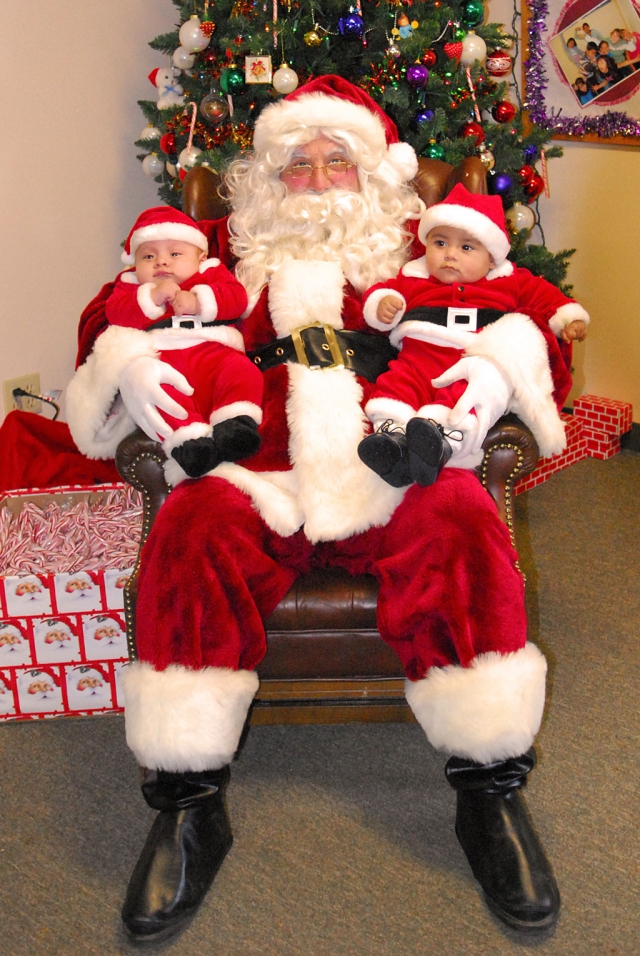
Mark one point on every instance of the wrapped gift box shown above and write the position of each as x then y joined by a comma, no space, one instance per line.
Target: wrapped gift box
66,556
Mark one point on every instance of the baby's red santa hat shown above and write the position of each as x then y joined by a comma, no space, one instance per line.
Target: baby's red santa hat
331,102
481,216
162,222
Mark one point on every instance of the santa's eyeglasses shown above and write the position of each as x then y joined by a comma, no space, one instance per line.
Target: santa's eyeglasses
333,169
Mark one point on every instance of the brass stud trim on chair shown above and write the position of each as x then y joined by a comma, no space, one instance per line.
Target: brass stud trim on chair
508,488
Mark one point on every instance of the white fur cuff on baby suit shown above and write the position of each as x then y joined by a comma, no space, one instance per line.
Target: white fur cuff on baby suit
98,421
566,314
370,310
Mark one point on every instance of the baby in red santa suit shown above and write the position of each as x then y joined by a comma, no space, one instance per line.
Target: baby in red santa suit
322,210
462,299
183,305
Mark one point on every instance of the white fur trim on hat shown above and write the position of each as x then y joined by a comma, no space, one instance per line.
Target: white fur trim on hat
488,711
474,222
180,719
165,230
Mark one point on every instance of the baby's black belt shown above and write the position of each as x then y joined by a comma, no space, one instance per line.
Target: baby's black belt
322,346
176,323
446,316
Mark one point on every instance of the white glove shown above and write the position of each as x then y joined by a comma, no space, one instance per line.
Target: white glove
488,393
141,389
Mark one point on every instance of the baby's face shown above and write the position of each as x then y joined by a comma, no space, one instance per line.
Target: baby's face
167,259
454,256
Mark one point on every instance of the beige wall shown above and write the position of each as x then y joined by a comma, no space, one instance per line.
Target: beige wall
71,187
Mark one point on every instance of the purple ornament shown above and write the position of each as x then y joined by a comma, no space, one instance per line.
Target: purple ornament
500,184
424,116
417,75
351,25
530,153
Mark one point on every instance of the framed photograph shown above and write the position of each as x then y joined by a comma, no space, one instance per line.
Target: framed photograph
581,66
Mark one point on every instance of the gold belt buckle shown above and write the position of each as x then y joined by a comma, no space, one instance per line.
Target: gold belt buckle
332,341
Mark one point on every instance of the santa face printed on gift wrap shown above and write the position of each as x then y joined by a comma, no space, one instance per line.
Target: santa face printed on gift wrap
39,691
77,592
104,637
14,645
118,669
56,641
114,583
26,595
7,703
88,688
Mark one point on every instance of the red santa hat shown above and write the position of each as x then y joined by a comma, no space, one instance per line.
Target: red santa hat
481,216
162,222
331,102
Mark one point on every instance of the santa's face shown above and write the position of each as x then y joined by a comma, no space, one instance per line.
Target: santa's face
318,166
38,692
14,646
87,689
26,596
55,641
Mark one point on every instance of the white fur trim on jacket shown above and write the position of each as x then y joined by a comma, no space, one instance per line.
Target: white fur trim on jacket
380,409
171,339
302,292
180,719
417,269
207,303
488,711
186,433
234,410
565,315
371,308
97,421
519,349
146,303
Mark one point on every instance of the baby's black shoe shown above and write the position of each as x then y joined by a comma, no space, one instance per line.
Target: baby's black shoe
387,453
230,440
429,449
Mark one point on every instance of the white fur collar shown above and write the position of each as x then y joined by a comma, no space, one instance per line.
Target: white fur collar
417,269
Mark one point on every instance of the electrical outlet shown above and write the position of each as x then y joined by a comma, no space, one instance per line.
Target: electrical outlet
30,383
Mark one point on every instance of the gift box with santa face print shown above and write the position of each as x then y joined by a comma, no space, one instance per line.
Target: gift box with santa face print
66,555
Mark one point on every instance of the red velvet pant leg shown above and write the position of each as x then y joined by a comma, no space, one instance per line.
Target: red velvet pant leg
220,376
408,379
449,585
211,571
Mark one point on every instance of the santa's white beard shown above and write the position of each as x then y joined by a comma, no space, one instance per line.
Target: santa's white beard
338,225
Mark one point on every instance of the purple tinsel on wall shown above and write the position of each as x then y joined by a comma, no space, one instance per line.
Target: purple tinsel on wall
606,125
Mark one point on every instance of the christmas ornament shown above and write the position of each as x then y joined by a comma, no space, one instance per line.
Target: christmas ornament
172,170
231,80
526,174
351,26
503,112
500,184
473,48
520,217
474,130
417,75
472,13
531,153
487,159
170,93
257,69
534,188
428,57
188,157
150,132
393,51
152,165
214,108
453,50
191,36
434,151
459,33
168,144
285,79
424,116
403,28
312,38
498,63
183,59
206,25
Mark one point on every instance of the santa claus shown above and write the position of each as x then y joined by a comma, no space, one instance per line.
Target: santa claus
322,210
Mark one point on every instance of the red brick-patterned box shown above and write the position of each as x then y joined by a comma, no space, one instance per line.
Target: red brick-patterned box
604,414
62,635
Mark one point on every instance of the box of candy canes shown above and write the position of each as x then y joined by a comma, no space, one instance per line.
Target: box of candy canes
65,555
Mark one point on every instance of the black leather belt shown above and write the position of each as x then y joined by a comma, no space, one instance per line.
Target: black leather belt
322,346
453,317
176,322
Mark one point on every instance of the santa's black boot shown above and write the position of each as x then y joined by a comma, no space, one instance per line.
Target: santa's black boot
188,841
497,835
230,440
386,452
429,449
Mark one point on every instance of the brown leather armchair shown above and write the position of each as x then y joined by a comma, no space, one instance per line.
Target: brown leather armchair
326,662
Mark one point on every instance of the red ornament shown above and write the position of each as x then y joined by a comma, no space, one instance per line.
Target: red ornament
503,112
473,129
526,174
182,174
498,63
534,188
168,144
428,57
453,51
207,27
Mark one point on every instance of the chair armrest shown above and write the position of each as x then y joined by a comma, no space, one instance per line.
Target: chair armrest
510,453
140,462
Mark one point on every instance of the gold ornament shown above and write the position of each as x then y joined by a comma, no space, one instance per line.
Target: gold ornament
487,159
312,38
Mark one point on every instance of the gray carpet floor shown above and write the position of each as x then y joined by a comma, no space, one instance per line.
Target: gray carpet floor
344,842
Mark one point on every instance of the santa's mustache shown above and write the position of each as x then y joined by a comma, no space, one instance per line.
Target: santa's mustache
320,209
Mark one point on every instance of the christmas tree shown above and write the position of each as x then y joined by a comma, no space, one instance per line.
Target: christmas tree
438,70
